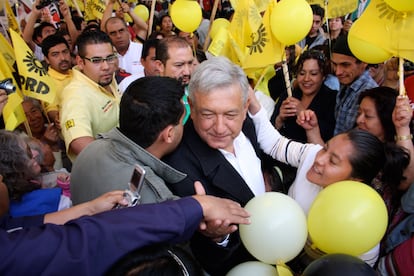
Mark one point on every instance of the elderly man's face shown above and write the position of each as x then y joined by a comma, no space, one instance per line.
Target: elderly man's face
179,65
218,116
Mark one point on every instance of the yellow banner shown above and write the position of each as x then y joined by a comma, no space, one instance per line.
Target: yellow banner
13,113
34,79
11,19
7,52
336,8
263,49
246,20
392,30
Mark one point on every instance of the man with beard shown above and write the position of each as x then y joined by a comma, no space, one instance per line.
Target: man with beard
174,59
90,102
56,50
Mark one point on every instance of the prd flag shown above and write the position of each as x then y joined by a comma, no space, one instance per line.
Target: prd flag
13,113
336,8
11,19
263,49
245,23
95,9
34,79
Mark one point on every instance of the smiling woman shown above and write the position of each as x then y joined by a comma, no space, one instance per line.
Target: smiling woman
354,155
310,93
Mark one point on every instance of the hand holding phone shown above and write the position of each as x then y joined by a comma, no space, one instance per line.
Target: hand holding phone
132,194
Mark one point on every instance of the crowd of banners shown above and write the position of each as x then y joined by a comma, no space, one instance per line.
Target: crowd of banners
28,75
249,42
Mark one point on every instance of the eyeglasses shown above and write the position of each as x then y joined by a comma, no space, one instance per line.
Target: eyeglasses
111,59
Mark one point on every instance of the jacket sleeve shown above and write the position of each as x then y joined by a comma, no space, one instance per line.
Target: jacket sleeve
91,244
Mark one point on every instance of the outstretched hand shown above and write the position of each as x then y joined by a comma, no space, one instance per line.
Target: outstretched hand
220,214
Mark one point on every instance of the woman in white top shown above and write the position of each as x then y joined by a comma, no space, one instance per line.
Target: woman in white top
354,155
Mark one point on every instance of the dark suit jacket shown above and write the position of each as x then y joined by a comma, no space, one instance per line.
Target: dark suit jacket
200,162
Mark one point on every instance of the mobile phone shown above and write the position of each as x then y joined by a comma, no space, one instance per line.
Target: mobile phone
133,193
137,180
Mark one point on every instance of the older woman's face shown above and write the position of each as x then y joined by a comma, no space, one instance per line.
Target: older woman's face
368,118
32,156
332,162
310,77
34,117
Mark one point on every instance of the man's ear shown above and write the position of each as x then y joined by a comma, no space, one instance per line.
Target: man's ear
80,62
160,67
167,134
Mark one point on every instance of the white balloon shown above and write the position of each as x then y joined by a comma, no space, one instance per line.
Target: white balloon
278,228
253,269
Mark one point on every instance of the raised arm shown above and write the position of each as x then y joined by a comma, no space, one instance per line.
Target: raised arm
309,121
402,116
107,14
29,29
65,11
140,26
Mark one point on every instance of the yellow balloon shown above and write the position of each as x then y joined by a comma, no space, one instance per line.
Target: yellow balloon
142,12
401,5
291,21
253,268
361,48
219,23
186,15
347,217
277,232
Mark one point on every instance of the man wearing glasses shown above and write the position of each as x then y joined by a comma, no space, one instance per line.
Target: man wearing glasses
90,102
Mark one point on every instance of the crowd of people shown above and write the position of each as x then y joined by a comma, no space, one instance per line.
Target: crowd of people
129,95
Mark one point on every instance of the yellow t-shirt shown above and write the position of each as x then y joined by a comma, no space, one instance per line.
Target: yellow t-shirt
61,81
87,109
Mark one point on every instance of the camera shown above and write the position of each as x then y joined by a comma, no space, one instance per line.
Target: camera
45,3
7,85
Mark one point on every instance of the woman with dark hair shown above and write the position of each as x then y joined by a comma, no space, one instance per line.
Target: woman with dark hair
166,26
310,93
21,173
354,155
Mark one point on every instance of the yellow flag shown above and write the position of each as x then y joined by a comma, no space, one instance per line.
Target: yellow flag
224,45
261,77
34,79
11,19
263,48
7,52
246,20
95,8
336,8
13,113
390,29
